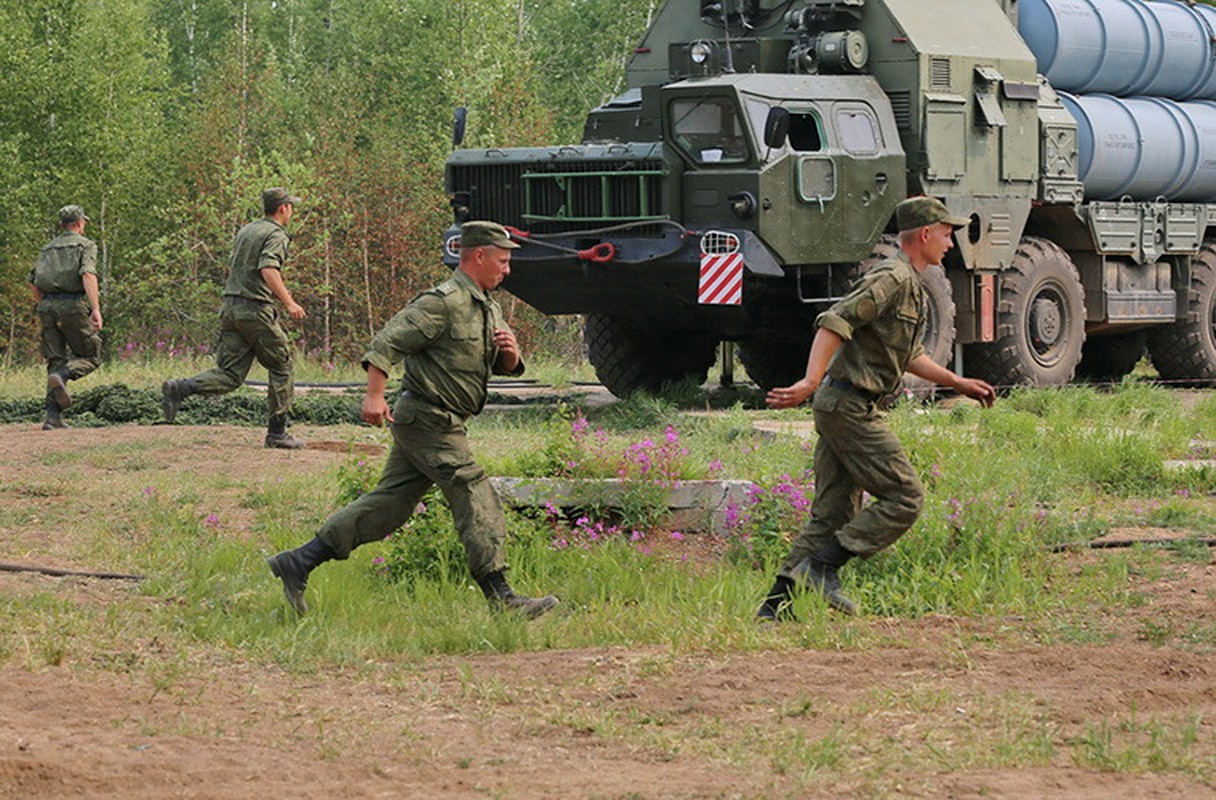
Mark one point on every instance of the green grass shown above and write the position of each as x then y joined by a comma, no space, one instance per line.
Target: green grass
1002,485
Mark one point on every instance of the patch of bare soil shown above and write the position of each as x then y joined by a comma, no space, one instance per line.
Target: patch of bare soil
590,723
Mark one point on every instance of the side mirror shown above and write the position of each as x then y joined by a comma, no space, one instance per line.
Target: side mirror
458,121
776,127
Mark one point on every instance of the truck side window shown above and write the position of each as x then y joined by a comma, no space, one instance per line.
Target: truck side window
805,136
709,130
857,132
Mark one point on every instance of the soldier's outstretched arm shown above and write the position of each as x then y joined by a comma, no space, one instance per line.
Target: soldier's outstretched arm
924,367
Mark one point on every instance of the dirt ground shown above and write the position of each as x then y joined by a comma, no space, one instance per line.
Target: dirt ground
540,724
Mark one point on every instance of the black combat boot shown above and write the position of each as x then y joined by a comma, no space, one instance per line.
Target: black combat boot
818,572
54,416
57,389
776,606
500,595
172,393
277,435
292,568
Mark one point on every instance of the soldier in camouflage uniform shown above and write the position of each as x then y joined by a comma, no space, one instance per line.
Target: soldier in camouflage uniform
863,345
452,338
64,285
249,322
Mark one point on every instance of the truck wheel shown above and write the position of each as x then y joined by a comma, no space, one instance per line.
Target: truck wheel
628,359
1040,321
1109,358
773,362
1185,350
938,338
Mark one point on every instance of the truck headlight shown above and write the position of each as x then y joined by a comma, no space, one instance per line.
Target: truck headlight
700,52
743,204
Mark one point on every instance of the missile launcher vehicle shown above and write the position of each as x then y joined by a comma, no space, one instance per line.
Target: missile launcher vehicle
749,172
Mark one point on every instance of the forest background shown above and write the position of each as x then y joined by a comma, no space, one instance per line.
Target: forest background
166,118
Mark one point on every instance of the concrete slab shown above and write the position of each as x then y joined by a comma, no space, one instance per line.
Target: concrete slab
692,505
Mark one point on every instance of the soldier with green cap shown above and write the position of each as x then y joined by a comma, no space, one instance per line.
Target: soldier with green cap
64,285
451,339
249,321
863,345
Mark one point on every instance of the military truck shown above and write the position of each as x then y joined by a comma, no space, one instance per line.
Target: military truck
749,173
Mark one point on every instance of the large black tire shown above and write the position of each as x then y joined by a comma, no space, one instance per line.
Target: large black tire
1040,321
775,361
1109,358
1186,350
628,359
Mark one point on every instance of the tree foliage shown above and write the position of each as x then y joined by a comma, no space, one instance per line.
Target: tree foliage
166,118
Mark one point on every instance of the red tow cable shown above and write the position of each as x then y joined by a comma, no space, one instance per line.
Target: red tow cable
601,253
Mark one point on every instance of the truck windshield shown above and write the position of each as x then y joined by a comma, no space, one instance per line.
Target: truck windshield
709,130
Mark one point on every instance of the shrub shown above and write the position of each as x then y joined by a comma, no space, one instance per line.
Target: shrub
760,531
426,548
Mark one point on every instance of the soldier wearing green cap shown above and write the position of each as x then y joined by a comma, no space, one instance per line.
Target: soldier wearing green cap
249,321
863,345
451,339
64,285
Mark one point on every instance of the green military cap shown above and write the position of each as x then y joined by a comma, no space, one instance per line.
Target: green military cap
70,214
917,212
277,196
482,233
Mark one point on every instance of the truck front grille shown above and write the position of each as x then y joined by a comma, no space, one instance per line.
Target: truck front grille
563,195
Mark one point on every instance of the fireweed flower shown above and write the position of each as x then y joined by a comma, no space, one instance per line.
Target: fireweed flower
731,516
956,511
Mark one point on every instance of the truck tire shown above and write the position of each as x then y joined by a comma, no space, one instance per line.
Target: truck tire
1040,321
628,359
775,361
938,338
1109,358
1185,351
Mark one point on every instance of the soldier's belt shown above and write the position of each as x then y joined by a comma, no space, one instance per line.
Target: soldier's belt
845,386
63,295
408,395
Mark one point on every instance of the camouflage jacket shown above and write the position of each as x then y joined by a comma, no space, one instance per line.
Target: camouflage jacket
882,321
445,336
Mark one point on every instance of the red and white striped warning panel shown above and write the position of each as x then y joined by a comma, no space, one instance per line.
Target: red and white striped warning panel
721,282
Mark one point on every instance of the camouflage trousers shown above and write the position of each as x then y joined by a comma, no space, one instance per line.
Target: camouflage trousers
69,344
430,448
856,453
250,330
